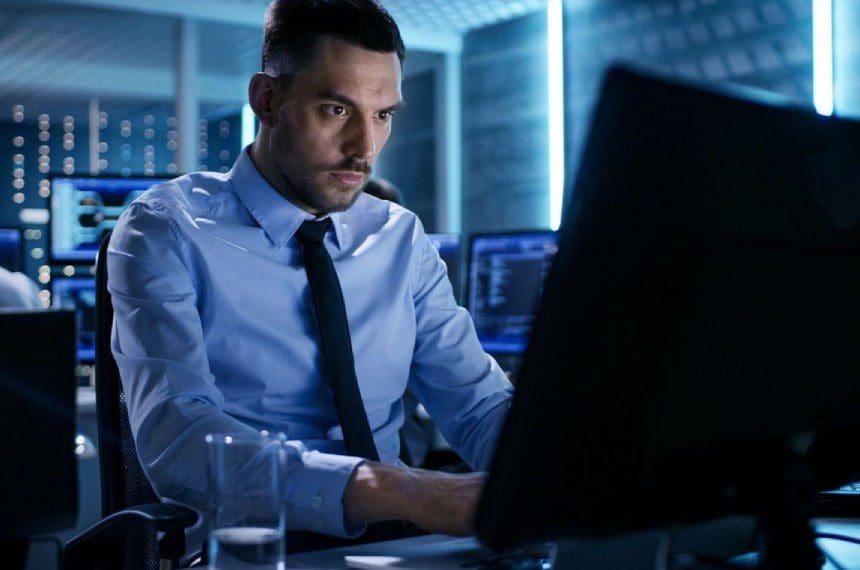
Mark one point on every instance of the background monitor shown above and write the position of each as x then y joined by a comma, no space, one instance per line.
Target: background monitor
11,249
506,277
84,209
448,246
79,295
695,352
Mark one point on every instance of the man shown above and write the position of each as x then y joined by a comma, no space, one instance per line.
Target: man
417,435
17,291
215,327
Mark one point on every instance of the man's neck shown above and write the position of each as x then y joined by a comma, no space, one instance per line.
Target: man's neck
271,175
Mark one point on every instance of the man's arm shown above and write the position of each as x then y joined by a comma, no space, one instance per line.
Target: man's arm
462,387
465,392
434,501
173,400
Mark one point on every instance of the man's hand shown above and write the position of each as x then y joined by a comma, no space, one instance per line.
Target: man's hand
436,502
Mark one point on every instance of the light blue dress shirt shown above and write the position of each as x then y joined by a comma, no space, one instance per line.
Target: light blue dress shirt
214,333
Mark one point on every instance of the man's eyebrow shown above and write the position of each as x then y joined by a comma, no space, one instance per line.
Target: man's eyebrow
340,98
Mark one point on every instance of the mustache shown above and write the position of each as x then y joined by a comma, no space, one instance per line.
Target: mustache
359,166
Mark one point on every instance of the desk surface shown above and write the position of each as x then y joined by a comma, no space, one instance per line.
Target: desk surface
434,551
445,552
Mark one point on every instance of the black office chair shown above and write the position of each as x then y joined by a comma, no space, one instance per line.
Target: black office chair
137,531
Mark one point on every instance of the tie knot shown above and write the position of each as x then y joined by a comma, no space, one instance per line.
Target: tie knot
312,232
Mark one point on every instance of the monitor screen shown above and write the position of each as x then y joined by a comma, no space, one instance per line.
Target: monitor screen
448,246
11,249
83,210
695,354
506,277
79,294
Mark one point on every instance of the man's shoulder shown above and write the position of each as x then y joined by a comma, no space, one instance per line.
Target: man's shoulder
384,211
371,215
188,196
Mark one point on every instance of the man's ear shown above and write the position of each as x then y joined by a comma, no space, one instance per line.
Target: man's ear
262,97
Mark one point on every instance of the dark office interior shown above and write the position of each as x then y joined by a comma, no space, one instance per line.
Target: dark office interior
649,210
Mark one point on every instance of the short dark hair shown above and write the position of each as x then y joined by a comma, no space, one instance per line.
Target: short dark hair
293,28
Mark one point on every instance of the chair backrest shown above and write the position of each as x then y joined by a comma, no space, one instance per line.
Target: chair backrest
123,482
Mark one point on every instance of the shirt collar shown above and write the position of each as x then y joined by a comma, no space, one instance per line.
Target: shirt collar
278,217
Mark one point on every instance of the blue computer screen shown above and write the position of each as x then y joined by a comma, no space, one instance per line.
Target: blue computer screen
11,256
83,210
448,246
506,278
79,294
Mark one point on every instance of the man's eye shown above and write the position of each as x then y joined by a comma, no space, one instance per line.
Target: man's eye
386,115
335,110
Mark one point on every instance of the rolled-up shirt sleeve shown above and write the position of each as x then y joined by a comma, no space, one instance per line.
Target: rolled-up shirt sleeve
173,399
462,387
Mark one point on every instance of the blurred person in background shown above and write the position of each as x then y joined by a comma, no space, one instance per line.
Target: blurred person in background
17,291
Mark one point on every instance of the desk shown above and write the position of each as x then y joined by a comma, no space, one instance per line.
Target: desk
845,553
445,552
434,551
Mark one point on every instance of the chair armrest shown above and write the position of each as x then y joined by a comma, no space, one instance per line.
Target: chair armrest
162,517
158,517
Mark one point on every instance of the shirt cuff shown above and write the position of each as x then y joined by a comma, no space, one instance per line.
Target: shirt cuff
314,495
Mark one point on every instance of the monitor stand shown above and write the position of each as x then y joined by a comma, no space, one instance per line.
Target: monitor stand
722,538
780,537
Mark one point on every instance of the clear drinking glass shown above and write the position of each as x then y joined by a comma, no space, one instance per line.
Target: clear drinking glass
247,511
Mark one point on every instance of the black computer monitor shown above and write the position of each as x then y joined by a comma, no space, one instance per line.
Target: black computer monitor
79,294
506,276
84,209
448,246
695,351
38,479
11,249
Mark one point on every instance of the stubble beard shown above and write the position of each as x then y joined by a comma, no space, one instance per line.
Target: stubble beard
300,184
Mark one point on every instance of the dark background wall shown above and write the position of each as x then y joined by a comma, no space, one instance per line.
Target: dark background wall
765,44
505,131
409,159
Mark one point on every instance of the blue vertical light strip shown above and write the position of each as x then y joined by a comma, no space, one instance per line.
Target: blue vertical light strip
449,199
822,55
249,125
555,109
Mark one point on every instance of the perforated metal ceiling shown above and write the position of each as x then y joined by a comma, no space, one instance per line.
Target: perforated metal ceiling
458,15
60,52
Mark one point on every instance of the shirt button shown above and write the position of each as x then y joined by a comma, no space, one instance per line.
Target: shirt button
316,502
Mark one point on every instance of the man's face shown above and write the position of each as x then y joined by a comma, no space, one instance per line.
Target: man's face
333,120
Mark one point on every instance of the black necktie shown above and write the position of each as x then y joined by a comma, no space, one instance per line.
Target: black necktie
335,343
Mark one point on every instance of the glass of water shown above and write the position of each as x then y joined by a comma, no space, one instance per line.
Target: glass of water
247,516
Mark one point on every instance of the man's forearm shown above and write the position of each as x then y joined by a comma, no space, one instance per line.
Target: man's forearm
436,502
375,492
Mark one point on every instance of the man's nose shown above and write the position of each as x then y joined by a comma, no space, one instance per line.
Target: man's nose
361,142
